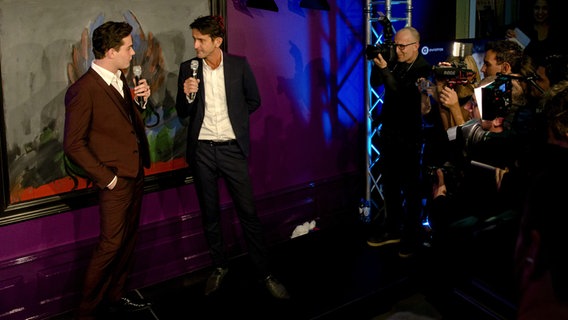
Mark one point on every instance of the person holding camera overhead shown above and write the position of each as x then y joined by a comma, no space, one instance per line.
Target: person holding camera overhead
400,140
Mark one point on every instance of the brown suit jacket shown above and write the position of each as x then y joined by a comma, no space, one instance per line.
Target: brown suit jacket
99,135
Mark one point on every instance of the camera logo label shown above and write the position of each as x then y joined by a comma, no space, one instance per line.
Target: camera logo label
426,50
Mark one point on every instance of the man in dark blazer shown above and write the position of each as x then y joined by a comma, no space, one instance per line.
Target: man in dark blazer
218,92
105,136
400,141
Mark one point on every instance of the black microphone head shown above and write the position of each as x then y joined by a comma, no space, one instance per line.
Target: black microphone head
137,70
194,65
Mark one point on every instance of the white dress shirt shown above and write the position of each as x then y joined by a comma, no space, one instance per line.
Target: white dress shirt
216,124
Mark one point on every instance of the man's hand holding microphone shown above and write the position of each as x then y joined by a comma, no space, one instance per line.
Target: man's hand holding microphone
142,88
191,84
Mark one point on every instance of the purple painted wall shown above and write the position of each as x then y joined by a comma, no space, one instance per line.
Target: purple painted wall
310,68
307,162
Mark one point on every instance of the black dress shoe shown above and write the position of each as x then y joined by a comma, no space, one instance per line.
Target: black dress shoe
276,289
215,279
129,305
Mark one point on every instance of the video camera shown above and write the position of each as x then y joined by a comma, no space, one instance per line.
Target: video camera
387,49
458,72
496,97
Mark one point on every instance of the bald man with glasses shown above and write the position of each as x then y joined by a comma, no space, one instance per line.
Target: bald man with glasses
399,142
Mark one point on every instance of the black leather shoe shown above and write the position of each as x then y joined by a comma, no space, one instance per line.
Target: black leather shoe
276,289
215,279
129,305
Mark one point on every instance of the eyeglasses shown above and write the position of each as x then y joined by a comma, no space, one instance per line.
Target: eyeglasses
403,46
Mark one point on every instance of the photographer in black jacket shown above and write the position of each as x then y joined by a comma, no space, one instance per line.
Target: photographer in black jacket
400,141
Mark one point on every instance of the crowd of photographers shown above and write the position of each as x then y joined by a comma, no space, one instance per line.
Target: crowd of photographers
492,141
495,125
506,164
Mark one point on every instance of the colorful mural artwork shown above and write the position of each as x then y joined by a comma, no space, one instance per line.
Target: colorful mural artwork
42,59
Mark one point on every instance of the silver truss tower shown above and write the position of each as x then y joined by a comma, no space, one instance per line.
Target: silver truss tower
372,206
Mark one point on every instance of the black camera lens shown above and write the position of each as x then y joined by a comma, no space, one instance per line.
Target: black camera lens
372,51
385,50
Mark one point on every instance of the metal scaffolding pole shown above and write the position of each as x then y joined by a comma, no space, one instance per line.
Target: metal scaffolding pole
372,206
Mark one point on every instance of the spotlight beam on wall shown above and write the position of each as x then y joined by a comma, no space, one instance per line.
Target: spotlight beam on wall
315,4
263,4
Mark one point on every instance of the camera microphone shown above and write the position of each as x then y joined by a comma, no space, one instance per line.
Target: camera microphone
194,66
137,70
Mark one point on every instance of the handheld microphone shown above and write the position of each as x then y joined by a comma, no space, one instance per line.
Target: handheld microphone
137,70
194,66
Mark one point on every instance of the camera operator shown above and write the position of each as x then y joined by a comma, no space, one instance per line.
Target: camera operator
446,102
494,149
483,153
501,56
528,122
399,142
453,99
539,75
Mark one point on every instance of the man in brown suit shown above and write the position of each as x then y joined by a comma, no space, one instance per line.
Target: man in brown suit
104,135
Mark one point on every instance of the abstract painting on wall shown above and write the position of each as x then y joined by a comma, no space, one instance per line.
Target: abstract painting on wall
45,47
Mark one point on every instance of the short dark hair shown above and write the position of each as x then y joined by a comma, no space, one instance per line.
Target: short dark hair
214,26
109,35
507,51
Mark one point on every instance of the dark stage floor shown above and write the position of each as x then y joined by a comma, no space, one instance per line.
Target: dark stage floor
334,274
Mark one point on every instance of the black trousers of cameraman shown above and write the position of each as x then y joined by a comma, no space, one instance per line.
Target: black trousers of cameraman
400,166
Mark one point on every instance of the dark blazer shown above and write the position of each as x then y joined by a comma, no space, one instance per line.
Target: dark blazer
400,114
99,135
242,93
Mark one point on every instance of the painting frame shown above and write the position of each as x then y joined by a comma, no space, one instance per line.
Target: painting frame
82,194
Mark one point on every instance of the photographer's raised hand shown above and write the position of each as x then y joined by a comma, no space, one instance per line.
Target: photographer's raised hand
449,98
439,188
380,61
